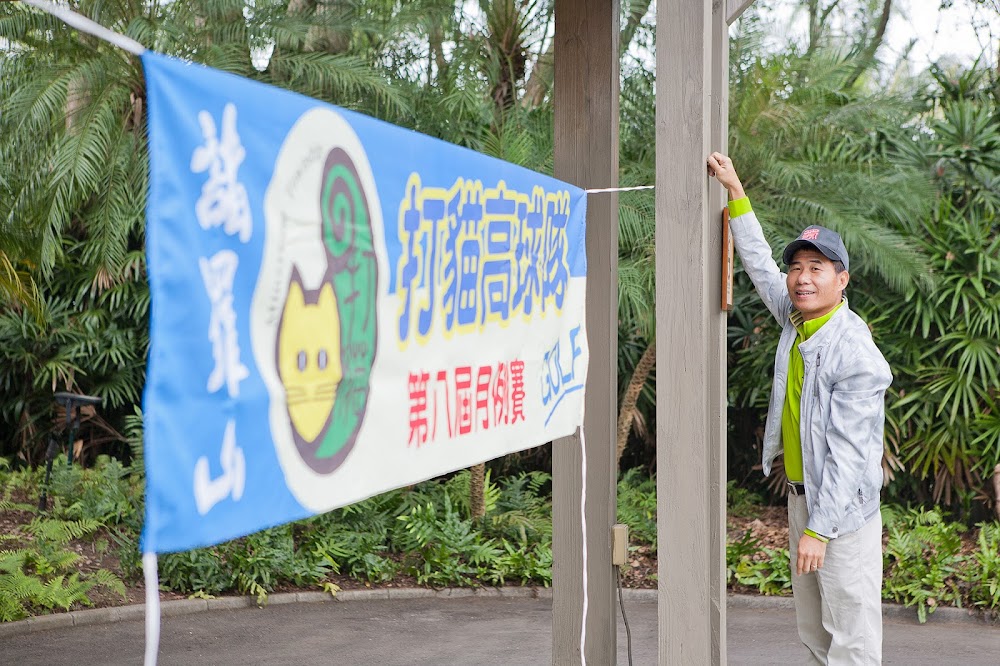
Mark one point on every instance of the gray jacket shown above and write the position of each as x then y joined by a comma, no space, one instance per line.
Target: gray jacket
843,398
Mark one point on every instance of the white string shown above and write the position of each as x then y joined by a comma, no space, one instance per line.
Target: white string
86,25
583,532
152,608
601,190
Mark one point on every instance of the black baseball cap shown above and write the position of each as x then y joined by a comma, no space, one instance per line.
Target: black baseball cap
814,237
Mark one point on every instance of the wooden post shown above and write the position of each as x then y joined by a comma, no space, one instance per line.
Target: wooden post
691,108
716,366
586,92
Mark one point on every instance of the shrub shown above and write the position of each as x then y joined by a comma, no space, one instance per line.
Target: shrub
921,560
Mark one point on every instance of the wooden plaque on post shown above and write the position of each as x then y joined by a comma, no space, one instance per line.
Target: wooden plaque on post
727,263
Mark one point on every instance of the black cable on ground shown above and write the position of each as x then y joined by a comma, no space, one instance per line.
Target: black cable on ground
621,604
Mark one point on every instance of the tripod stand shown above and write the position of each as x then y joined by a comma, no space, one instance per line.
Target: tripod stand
72,403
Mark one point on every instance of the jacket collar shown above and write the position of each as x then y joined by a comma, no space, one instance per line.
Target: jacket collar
798,319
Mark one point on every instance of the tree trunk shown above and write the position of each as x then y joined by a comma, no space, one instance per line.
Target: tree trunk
817,21
996,491
477,491
540,80
868,53
319,38
77,98
436,61
631,397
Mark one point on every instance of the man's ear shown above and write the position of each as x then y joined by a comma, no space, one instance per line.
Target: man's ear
843,278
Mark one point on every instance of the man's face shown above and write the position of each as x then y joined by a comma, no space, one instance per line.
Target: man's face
814,284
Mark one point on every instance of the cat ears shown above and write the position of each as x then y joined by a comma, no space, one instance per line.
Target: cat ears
304,296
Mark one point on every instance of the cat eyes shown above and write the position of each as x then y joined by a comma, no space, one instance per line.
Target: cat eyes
321,360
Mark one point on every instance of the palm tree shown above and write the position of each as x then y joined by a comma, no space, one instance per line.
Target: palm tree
73,172
636,251
944,420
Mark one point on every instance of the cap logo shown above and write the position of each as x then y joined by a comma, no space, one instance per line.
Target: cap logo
810,234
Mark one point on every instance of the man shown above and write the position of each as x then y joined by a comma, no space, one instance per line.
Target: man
827,416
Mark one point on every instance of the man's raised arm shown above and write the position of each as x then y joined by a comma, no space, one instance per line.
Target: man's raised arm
750,242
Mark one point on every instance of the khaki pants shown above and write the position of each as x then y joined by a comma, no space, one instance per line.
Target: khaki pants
839,607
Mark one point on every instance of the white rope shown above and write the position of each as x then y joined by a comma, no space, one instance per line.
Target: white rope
601,190
583,533
152,608
86,25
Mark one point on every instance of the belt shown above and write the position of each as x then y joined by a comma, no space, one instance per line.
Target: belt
796,488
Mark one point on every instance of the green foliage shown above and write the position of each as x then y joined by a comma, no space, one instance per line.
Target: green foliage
522,513
73,178
922,560
38,572
441,547
354,541
942,341
255,565
109,492
637,506
981,575
424,532
199,570
766,569
737,552
741,501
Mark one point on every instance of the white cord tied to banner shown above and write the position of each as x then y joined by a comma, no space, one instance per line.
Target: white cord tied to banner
152,608
583,534
83,23
602,190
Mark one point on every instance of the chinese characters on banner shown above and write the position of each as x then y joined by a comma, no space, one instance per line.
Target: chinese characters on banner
223,202
340,307
465,400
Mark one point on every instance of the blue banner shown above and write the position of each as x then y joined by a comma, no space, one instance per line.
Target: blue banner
340,307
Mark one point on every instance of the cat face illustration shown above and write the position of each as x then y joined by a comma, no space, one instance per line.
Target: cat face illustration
314,317
308,356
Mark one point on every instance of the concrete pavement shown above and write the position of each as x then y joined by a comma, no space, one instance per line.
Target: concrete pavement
465,630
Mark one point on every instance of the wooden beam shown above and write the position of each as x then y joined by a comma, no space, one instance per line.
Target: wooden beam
691,108
735,9
586,90
716,366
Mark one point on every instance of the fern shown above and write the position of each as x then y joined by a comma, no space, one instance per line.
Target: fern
109,581
40,573
7,505
61,531
25,589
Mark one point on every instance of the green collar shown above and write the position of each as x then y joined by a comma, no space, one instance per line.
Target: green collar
807,328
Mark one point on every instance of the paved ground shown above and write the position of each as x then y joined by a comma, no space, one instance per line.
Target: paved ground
472,631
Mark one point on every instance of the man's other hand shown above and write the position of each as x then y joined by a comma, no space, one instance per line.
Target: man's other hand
812,552
722,168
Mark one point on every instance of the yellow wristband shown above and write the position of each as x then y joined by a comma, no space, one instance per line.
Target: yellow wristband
739,207
815,535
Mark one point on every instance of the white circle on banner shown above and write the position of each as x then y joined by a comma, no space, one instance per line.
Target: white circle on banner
322,214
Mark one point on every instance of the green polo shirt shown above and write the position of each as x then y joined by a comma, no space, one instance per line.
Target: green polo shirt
790,415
